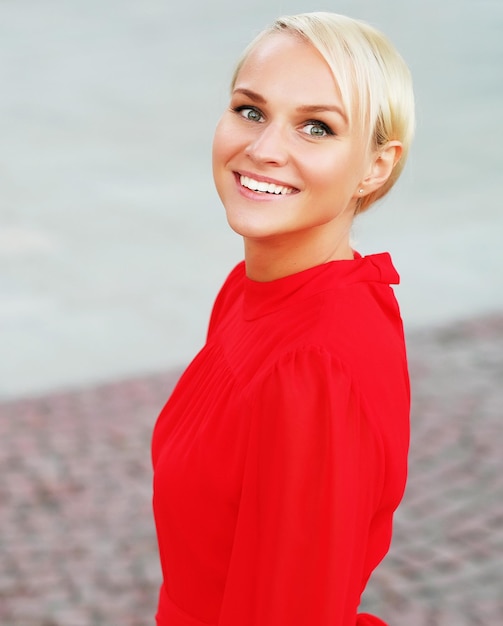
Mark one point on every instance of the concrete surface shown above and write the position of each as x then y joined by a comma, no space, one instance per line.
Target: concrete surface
112,240
77,546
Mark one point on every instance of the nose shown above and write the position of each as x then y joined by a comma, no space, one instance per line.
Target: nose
268,146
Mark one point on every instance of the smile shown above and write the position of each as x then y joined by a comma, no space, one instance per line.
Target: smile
264,187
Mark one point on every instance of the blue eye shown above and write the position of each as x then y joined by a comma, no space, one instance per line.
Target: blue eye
317,129
249,113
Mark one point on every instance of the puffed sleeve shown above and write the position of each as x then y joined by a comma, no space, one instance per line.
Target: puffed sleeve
312,483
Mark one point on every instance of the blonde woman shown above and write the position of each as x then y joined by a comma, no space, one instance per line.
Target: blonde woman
282,453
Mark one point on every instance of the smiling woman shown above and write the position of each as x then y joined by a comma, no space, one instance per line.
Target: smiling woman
281,455
269,136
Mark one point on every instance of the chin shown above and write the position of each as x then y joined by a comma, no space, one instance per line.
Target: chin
248,230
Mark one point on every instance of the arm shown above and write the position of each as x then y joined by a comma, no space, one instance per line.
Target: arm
311,486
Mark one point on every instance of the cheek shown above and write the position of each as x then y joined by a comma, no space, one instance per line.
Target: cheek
333,173
321,173
218,145
222,152
225,141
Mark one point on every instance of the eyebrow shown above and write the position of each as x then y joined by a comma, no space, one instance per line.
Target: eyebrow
305,108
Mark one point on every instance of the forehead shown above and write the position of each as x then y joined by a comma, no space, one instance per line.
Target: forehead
286,63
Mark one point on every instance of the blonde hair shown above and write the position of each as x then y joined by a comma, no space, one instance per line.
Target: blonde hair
371,75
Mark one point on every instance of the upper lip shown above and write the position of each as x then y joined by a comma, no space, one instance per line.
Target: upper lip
265,179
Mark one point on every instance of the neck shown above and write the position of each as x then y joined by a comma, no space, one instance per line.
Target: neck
272,258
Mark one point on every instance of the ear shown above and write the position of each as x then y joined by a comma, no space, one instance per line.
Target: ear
381,165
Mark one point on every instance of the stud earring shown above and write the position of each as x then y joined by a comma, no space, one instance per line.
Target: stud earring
360,190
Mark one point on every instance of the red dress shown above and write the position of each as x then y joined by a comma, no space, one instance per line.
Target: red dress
282,453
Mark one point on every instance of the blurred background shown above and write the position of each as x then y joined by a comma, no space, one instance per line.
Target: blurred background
113,244
112,239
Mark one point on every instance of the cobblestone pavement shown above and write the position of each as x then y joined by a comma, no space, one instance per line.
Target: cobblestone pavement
77,545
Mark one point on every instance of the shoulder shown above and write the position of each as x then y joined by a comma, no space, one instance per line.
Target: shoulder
308,403
309,370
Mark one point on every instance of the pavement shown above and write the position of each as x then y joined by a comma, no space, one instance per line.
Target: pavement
78,548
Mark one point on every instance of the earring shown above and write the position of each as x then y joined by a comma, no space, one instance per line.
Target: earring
360,190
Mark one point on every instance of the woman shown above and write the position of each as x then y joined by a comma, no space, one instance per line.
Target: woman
281,455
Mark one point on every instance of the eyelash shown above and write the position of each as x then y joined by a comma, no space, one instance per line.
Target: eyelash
322,125
246,107
317,123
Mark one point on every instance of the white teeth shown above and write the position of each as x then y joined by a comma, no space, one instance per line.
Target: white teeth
255,185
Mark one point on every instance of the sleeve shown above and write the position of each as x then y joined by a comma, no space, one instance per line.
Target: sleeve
312,478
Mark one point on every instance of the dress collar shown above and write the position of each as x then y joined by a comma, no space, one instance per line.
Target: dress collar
263,298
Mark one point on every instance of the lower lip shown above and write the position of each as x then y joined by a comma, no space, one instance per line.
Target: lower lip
260,196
